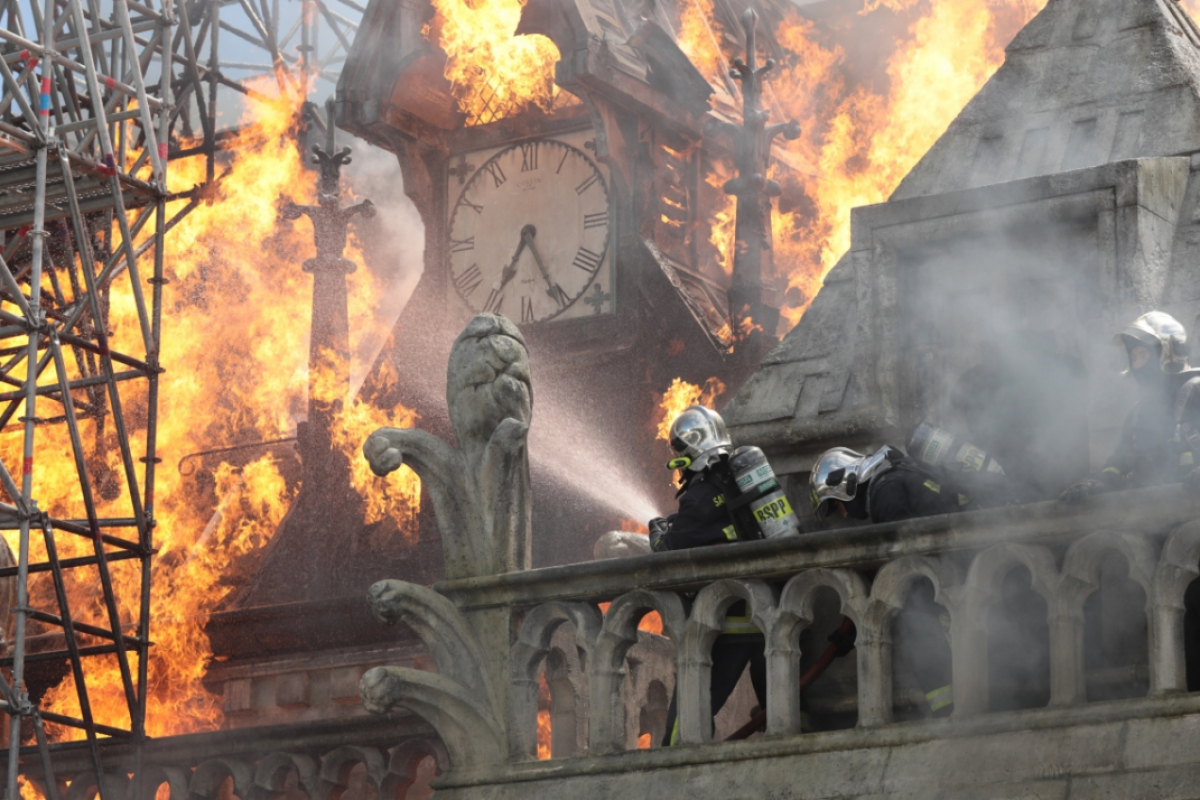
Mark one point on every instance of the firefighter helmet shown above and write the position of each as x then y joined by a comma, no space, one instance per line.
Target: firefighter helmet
699,434
1160,333
839,472
834,477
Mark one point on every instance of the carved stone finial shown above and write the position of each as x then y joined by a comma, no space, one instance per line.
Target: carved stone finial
752,151
480,488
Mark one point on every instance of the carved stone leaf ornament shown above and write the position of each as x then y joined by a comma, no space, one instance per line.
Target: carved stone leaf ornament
481,495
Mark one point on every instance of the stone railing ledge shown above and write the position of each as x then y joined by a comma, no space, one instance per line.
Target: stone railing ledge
1148,511
896,735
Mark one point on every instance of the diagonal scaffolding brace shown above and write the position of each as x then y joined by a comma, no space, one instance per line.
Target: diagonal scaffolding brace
96,100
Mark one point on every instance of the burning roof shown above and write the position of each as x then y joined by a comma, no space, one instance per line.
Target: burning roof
1022,217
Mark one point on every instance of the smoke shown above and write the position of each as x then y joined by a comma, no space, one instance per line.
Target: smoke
393,243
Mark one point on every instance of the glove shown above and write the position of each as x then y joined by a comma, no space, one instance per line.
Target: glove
1082,490
843,638
658,531
1191,481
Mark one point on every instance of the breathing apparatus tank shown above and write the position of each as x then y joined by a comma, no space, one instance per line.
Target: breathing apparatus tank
939,447
759,491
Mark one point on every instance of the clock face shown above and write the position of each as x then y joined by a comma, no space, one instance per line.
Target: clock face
529,231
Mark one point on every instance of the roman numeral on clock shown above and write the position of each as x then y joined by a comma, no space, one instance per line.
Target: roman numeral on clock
529,157
463,245
587,261
494,301
468,280
493,169
587,184
559,296
463,201
597,220
526,309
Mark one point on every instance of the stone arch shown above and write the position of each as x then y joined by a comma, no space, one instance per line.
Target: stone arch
617,634
895,579
271,773
334,774
531,647
209,775
694,656
1081,566
154,776
1079,580
889,592
969,625
795,612
403,762
1178,567
116,786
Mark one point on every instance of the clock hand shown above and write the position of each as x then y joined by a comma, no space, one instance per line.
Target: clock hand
511,269
527,234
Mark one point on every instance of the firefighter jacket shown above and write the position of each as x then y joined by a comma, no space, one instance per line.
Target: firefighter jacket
703,520
1154,447
908,490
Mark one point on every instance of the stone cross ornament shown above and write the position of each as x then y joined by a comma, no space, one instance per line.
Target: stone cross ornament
330,221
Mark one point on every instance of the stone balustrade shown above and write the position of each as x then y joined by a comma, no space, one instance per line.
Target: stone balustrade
965,557
1154,533
354,759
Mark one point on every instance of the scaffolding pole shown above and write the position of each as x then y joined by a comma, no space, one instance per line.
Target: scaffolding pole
98,99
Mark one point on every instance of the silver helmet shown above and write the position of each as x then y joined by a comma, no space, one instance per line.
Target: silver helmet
839,472
1161,333
698,436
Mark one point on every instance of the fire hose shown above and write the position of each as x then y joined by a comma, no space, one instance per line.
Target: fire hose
837,648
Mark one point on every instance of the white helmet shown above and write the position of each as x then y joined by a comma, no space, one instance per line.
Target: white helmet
1158,331
838,472
698,436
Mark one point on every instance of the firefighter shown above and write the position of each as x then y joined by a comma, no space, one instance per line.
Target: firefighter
884,487
702,447
887,487
1025,404
1161,435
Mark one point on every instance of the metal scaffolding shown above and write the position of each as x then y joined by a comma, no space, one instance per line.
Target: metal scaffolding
99,97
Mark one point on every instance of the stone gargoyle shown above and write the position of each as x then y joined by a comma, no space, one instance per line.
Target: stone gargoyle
480,489
481,495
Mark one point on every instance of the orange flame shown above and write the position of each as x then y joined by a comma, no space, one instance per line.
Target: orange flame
235,327
866,141
696,38
493,72
644,742
651,621
543,718
681,394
